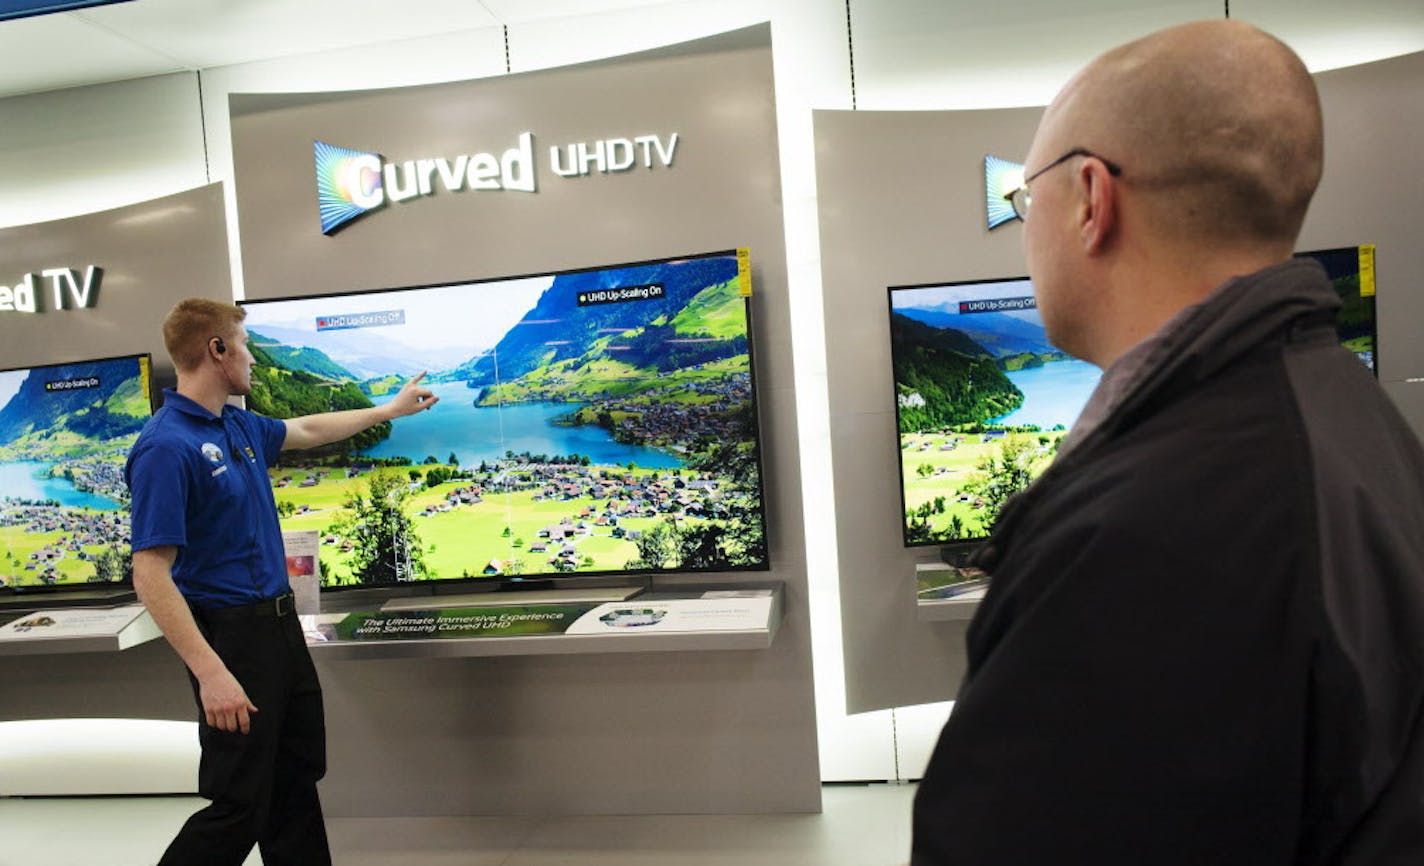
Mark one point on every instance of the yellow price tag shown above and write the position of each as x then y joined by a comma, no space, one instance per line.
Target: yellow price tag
1367,270
744,271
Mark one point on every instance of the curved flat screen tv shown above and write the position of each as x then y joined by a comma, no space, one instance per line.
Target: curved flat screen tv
982,400
65,430
590,422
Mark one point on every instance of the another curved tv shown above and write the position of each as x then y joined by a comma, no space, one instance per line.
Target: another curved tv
982,400
65,431
590,422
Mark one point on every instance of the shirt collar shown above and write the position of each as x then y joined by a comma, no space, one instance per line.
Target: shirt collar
171,398
1131,368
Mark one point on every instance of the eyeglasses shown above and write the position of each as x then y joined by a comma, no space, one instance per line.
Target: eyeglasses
1020,197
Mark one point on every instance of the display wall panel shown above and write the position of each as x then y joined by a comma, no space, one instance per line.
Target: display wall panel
557,735
87,149
902,202
1372,192
567,222
150,256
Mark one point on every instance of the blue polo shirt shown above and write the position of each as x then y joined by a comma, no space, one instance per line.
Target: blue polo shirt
199,483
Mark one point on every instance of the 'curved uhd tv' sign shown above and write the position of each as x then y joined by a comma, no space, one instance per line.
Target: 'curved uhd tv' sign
350,183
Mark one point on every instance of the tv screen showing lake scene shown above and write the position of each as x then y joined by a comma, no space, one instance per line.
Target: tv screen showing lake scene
65,431
1351,271
982,400
589,422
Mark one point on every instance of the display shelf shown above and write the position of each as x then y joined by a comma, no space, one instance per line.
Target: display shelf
684,619
946,610
76,630
950,594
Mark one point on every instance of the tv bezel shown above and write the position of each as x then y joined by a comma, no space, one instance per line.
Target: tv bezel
1374,319
537,579
108,589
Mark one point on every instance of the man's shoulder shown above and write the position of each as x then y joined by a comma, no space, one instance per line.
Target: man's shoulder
169,432
249,418
165,424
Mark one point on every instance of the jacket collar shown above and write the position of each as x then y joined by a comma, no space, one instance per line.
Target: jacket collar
1236,318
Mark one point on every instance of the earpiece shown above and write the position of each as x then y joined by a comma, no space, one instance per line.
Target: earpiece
221,346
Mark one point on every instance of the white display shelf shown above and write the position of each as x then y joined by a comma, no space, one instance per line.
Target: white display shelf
76,630
730,619
946,610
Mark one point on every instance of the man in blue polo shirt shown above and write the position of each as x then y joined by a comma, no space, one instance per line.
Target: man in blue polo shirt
210,567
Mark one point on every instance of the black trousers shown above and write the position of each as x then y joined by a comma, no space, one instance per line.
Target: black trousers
262,784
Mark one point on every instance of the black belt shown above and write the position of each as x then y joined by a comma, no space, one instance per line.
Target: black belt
282,605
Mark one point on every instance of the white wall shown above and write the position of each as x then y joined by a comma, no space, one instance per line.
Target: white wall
74,151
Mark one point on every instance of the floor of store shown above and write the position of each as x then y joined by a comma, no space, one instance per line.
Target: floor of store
865,825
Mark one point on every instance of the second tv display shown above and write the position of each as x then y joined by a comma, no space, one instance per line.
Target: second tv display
982,401
589,422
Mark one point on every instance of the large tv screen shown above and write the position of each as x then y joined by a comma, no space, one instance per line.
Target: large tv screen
982,400
1351,271
65,431
590,422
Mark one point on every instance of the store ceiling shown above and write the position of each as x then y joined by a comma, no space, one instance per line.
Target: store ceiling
897,41
154,37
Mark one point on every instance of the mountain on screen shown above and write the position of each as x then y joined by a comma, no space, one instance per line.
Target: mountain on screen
524,349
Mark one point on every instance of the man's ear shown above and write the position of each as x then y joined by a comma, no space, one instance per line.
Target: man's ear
1097,206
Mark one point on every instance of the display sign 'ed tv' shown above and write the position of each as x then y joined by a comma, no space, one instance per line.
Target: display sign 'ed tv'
65,431
590,422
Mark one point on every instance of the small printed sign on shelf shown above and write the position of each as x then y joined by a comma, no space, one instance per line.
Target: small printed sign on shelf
71,622
737,613
460,622
742,611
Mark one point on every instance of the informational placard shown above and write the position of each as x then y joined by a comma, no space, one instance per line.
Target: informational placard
736,610
719,613
461,622
71,623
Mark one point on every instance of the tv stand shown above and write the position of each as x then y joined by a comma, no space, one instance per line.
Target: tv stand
957,554
98,596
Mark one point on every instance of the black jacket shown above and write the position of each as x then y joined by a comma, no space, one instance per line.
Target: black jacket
1204,640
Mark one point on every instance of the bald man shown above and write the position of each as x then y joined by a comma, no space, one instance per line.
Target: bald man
1204,640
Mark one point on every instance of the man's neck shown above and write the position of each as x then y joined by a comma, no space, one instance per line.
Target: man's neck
211,395
1164,286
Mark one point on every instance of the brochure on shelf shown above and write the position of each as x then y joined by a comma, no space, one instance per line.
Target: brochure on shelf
303,549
